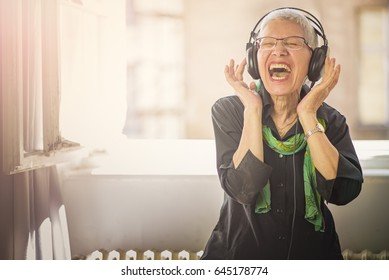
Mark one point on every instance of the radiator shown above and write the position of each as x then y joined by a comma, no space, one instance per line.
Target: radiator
187,255
365,255
140,255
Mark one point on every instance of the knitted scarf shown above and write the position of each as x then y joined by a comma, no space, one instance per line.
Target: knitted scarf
293,145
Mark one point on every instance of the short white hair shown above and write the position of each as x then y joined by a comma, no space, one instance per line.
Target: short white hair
296,16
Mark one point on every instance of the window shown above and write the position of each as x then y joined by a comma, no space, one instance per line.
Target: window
155,69
93,71
373,81
30,86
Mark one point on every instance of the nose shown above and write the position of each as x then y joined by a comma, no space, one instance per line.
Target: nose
279,48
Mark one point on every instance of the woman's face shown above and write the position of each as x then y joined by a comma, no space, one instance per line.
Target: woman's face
283,71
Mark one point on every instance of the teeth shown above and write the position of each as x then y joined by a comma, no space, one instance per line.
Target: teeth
280,66
278,78
279,71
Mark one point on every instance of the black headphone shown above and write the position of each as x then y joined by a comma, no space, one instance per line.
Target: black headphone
318,56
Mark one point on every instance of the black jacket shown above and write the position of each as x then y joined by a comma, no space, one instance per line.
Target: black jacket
242,234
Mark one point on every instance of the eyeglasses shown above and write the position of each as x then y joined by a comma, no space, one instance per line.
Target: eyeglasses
291,43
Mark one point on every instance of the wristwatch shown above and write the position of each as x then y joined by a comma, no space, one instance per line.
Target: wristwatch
317,128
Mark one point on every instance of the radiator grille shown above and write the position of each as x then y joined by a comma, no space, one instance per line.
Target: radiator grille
140,255
365,255
188,255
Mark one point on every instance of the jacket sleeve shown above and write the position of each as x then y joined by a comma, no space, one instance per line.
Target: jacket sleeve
242,183
348,182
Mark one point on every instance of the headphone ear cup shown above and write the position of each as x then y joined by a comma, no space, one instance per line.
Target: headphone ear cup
252,65
316,63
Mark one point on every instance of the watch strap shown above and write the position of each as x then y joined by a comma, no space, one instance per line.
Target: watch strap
317,128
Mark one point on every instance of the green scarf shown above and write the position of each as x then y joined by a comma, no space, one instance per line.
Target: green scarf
312,197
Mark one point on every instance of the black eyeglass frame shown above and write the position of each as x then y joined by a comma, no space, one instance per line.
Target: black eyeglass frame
257,42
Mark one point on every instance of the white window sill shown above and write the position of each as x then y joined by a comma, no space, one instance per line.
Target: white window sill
150,157
193,157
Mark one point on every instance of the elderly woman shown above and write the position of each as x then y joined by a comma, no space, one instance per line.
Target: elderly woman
282,153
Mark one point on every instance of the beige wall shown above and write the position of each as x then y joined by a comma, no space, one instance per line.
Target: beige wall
219,29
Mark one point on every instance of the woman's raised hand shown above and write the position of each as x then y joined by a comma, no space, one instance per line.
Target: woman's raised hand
246,94
315,98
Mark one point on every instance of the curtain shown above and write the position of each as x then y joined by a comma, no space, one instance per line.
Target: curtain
32,214
40,227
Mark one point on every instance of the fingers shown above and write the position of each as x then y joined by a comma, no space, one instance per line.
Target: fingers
330,70
246,93
240,69
234,74
335,78
330,75
329,80
253,87
229,72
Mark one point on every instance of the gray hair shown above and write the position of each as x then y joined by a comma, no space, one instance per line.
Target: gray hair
310,34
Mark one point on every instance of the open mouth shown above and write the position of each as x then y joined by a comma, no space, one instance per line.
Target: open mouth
279,71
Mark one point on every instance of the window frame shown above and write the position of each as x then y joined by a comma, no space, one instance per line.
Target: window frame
377,129
55,148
